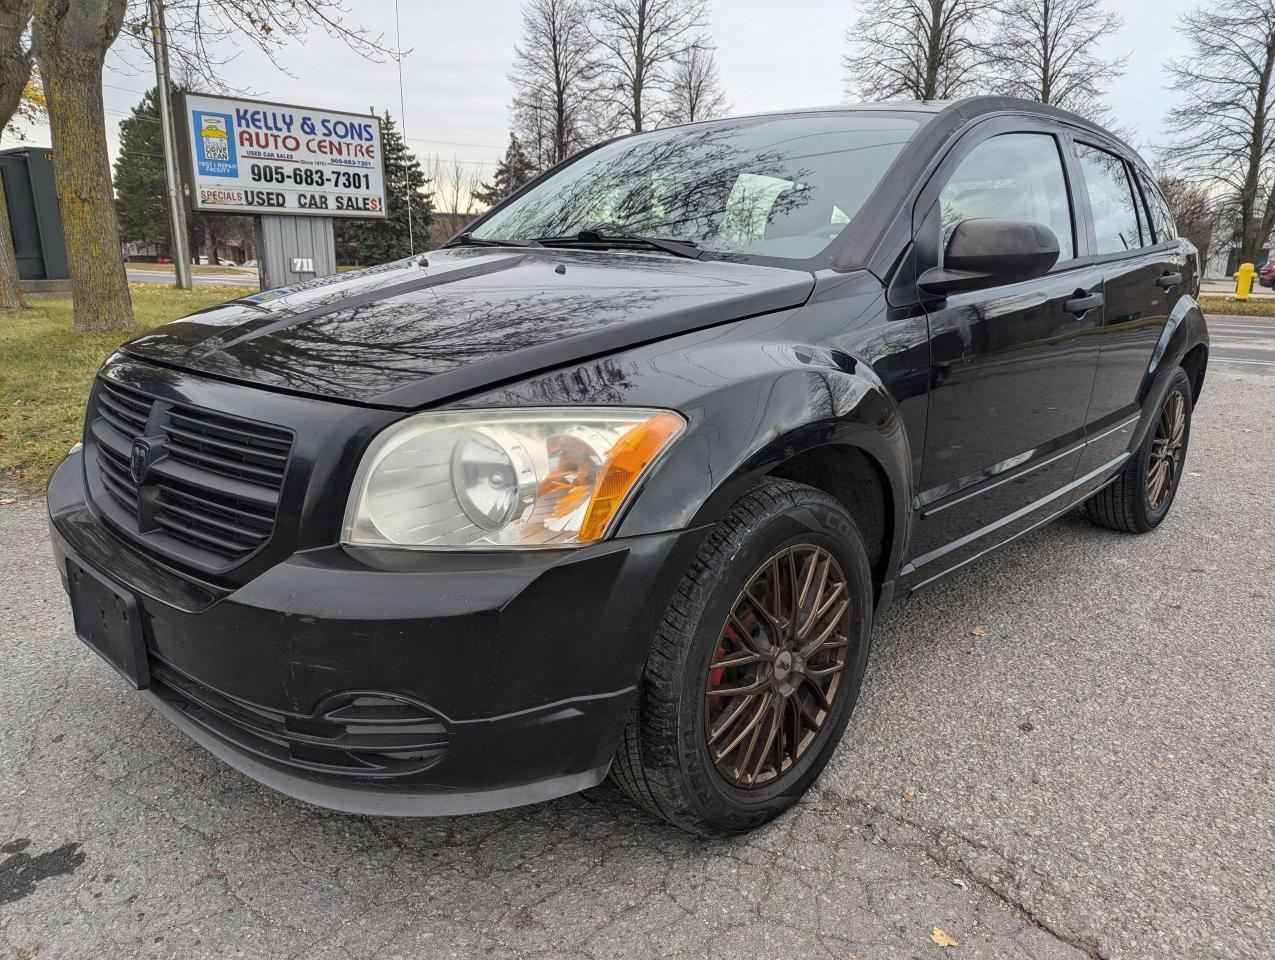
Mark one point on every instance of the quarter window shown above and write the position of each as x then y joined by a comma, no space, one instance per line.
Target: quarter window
1014,176
1115,213
1158,208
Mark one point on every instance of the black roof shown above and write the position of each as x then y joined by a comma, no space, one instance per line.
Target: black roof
961,111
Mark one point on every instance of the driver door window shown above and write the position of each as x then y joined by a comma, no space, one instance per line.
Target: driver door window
1014,176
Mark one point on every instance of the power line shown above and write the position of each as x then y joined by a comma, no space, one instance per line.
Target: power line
454,143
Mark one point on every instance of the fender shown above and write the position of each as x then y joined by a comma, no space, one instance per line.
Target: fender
1185,330
816,409
824,401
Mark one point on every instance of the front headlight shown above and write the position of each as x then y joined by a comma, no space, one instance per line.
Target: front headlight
504,478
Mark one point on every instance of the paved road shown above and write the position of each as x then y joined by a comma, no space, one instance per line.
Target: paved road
1086,774
244,279
1242,342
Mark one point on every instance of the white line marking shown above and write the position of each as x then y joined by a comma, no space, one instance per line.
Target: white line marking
1260,363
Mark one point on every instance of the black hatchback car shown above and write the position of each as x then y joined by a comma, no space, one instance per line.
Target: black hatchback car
620,478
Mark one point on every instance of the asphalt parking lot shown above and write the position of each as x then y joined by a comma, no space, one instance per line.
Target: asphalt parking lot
1065,751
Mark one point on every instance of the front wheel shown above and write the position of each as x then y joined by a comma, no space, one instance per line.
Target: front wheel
756,665
1140,496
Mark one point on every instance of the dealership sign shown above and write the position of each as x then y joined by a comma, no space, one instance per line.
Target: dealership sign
245,156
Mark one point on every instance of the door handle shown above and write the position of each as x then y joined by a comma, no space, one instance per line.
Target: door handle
1168,280
1083,302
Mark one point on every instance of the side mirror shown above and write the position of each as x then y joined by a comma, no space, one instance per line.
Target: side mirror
987,253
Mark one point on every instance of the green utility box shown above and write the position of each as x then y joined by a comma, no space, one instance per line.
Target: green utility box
34,218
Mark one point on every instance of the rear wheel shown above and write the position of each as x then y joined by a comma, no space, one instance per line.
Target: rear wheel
756,665
1140,496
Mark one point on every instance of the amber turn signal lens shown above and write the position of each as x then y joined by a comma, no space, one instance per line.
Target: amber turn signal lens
630,456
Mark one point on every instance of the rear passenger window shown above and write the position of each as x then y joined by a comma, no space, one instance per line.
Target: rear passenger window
1158,207
1015,176
1115,212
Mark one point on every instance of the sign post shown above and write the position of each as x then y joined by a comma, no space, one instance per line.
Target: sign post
178,247
280,163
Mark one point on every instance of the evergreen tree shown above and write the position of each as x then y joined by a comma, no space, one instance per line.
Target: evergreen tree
515,169
141,190
379,241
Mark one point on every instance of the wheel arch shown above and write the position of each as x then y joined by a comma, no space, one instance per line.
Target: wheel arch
1184,341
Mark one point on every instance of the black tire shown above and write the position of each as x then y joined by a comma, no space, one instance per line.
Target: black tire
663,763
1125,504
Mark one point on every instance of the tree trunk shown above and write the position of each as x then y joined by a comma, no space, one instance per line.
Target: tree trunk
71,40
10,291
15,70
1250,216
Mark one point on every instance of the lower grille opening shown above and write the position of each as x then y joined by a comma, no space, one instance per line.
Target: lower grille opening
362,735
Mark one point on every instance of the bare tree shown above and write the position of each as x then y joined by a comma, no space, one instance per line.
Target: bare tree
71,40
552,72
641,42
198,31
1046,50
453,189
15,73
1223,128
915,49
1195,211
695,89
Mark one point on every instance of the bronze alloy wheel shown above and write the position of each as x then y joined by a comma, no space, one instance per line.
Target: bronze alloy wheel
1166,450
777,666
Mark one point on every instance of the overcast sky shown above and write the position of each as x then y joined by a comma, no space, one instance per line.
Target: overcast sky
771,55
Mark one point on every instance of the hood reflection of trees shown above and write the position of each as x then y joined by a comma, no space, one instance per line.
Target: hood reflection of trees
424,335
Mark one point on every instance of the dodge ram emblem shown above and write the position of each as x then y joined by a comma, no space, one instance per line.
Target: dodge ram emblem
139,461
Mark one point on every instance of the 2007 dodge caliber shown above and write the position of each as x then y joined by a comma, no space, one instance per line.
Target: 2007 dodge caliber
620,478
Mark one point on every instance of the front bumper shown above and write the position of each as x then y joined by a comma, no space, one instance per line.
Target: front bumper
508,676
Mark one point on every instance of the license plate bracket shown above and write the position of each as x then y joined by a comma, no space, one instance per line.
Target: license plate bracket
109,623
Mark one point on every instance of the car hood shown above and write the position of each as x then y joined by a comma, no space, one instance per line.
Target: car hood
417,331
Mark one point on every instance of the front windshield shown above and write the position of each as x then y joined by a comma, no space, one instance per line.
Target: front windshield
779,187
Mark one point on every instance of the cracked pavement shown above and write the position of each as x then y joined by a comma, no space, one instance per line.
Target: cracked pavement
1087,774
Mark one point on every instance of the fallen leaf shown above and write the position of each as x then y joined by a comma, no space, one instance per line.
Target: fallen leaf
943,938
907,797
1158,765
978,632
28,953
58,738
218,872
1246,430
8,500
1191,473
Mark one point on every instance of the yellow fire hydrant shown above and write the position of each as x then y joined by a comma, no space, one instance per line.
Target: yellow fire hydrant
1244,280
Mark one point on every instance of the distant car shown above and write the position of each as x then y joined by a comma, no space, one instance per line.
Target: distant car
621,478
248,263
1266,275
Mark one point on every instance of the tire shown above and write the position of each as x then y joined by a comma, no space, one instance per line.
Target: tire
1128,503
664,762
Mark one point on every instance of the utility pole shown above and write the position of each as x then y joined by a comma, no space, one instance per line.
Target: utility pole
176,207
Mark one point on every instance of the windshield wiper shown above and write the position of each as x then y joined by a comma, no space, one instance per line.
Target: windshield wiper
679,248
469,240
